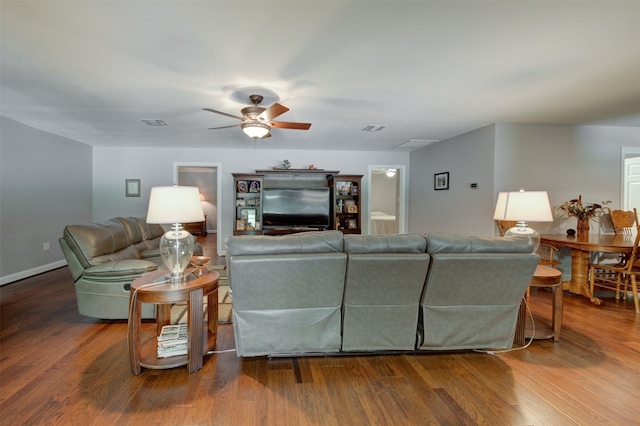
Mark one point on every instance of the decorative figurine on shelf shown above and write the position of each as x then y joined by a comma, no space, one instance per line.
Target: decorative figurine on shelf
312,167
286,165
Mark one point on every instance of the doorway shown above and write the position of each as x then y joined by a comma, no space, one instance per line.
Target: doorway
387,200
207,177
630,191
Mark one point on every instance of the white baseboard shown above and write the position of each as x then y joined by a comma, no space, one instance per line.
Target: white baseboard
31,272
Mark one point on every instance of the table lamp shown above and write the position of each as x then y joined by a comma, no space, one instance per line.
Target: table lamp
524,206
175,205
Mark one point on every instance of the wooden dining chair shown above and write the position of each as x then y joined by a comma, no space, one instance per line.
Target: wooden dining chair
625,222
548,255
618,277
505,225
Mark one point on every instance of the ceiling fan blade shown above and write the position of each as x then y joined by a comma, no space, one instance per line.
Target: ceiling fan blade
225,127
289,125
222,113
272,112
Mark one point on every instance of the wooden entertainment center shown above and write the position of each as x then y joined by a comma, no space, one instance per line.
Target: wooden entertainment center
284,201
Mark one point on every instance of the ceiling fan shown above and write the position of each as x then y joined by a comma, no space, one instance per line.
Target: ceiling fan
257,121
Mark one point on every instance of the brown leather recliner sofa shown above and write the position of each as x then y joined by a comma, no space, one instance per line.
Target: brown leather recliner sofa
104,258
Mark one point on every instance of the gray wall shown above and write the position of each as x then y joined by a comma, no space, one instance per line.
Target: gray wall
566,161
108,180
468,158
45,184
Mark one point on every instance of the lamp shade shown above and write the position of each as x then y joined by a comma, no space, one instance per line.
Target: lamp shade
528,206
175,204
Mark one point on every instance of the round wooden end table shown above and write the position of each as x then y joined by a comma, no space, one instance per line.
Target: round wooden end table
546,277
153,288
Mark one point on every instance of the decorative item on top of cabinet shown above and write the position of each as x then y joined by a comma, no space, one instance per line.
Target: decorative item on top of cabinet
248,208
347,209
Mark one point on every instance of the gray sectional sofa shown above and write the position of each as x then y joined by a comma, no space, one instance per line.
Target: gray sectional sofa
104,258
325,293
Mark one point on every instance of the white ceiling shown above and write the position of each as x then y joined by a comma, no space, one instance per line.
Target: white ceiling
91,70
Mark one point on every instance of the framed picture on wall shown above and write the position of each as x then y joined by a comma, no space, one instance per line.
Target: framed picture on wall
441,181
132,187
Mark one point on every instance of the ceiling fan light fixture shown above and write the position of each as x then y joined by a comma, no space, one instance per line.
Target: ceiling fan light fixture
255,130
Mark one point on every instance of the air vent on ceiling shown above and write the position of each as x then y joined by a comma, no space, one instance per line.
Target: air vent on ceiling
154,122
374,127
416,143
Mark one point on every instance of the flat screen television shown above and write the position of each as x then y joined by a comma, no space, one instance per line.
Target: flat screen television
295,207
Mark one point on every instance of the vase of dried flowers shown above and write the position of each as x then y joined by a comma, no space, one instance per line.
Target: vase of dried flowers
583,212
583,228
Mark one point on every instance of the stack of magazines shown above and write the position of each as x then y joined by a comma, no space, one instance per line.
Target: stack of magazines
173,340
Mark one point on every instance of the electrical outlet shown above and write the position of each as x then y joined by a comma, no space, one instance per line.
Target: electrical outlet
45,246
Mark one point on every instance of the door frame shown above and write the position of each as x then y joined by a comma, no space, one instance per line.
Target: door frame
218,167
624,151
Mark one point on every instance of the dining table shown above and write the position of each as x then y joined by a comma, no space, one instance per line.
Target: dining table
581,249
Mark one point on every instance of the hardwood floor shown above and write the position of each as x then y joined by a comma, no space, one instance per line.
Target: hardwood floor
58,367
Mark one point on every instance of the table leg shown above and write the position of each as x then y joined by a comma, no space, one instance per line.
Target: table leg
212,315
519,338
556,319
163,317
196,332
579,283
133,333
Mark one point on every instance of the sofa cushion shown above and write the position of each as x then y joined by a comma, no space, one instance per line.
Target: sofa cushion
449,243
150,231
120,268
384,243
305,242
133,231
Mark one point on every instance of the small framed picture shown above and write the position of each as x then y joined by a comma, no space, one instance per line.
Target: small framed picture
254,186
350,202
240,225
441,181
353,224
240,202
354,190
132,187
352,209
242,186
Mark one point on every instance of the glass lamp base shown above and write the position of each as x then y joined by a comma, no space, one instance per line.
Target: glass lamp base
523,231
176,249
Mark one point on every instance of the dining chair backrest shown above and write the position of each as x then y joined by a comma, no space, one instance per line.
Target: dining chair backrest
547,253
624,222
505,225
